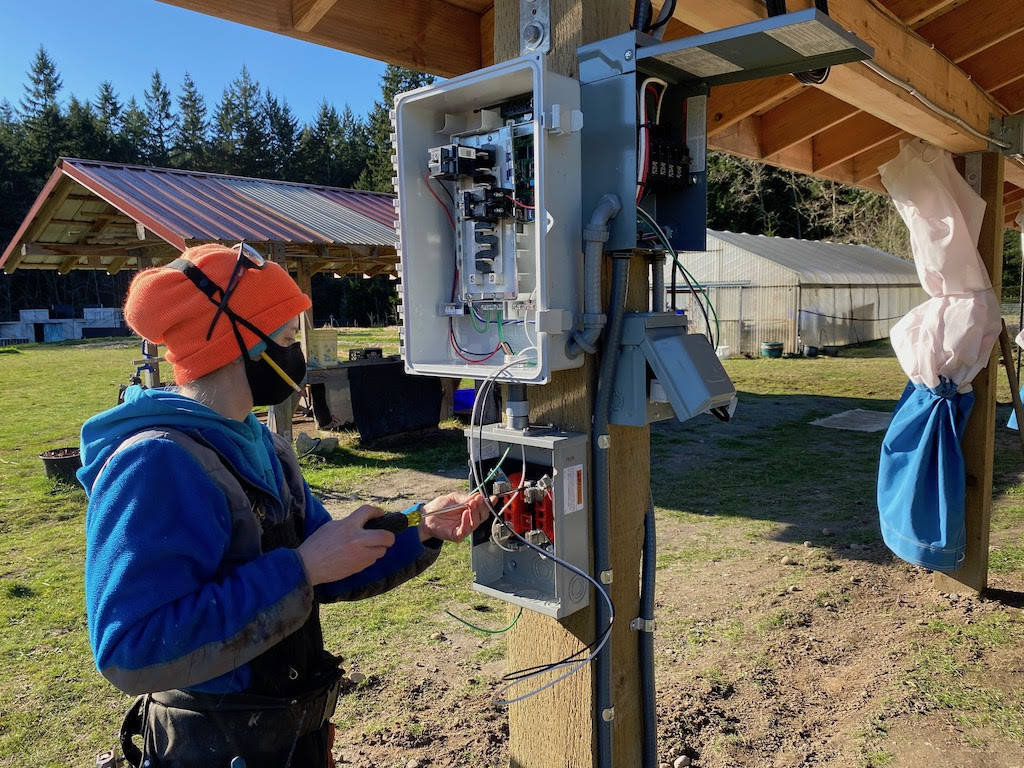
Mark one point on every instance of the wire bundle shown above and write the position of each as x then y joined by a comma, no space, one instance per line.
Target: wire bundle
574,661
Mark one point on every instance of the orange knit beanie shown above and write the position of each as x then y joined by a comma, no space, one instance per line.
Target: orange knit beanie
165,307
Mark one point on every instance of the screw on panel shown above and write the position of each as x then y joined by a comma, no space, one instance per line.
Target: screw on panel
606,577
608,714
604,441
628,55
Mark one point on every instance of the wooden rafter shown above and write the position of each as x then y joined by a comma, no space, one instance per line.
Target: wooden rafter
728,104
427,35
973,27
1011,96
849,138
917,12
865,164
998,66
306,14
809,112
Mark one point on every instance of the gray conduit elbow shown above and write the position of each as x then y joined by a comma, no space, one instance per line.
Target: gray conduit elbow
595,235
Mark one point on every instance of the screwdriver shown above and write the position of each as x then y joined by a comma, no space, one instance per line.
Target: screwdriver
396,522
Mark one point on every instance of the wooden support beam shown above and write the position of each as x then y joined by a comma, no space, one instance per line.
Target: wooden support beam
306,14
849,138
807,113
979,436
974,27
1013,196
426,35
68,264
117,265
728,104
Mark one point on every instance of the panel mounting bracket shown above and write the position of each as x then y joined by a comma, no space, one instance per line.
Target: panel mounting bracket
534,26
1008,129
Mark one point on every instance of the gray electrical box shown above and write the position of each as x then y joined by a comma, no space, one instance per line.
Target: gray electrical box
664,371
544,485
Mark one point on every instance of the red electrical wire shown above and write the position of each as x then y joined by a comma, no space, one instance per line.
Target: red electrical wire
440,202
518,204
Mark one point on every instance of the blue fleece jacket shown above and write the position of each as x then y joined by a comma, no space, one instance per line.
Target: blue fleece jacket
157,529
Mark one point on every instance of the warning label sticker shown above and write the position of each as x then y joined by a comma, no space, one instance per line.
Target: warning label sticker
575,496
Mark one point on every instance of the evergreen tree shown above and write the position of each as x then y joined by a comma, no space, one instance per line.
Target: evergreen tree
378,172
84,137
41,117
240,128
134,132
283,128
159,121
190,149
354,152
108,110
319,148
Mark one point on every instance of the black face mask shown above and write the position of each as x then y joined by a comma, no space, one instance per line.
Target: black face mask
267,385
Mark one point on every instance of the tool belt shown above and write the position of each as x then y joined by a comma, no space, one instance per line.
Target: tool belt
185,729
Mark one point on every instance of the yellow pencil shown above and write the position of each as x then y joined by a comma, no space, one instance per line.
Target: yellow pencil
282,374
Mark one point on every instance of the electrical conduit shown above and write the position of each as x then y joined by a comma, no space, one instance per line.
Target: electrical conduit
595,235
602,495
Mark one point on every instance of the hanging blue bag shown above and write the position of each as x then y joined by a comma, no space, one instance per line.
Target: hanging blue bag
921,482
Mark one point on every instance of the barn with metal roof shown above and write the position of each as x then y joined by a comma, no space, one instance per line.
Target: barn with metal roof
798,292
111,216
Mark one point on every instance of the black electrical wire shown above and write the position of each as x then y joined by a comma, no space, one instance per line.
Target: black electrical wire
813,76
642,15
665,16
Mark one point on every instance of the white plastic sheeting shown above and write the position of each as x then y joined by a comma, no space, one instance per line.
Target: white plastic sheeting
951,335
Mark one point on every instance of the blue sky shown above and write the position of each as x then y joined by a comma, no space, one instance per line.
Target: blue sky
125,40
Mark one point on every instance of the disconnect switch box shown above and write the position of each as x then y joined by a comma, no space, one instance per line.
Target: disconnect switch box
541,476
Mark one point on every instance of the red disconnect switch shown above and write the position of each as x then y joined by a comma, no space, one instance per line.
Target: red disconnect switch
518,514
544,517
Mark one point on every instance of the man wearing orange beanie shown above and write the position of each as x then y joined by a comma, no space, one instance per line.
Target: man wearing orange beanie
207,556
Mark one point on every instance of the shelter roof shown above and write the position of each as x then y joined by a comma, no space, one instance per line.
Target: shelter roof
819,262
98,215
962,60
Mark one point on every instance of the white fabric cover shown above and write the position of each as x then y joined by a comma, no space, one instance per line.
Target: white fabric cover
952,334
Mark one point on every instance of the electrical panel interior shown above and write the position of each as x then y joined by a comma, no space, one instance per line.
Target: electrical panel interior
488,183
541,479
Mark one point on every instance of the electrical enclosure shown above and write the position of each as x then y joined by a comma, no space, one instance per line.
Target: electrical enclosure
488,216
553,513
663,371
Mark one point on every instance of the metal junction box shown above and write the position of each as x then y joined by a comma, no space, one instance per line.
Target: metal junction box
553,512
634,74
664,371
489,223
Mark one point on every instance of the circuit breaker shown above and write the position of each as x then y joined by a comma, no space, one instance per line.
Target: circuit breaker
489,223
541,478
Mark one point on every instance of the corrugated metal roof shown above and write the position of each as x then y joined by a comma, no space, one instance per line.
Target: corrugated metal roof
825,263
196,206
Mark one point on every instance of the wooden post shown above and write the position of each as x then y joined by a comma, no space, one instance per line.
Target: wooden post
979,437
556,729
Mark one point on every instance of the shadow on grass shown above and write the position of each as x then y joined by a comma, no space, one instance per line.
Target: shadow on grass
771,465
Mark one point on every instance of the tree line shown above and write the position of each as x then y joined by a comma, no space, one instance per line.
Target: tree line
248,131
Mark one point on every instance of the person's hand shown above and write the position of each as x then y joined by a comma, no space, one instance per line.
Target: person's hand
340,548
455,524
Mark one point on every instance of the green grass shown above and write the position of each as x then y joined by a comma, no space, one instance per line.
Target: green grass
769,475
950,677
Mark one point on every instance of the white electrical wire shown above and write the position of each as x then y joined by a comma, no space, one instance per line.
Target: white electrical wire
575,665
642,156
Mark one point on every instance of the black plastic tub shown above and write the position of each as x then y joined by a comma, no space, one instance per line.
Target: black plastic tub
62,464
